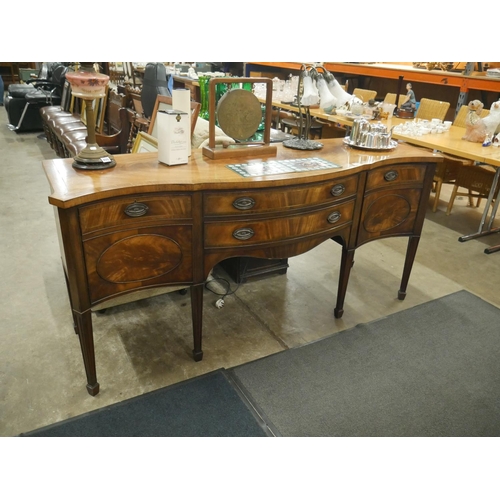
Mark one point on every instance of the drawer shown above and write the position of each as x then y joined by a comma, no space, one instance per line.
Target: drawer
395,175
251,232
269,200
131,211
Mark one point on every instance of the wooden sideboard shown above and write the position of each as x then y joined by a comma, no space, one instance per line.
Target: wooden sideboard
143,224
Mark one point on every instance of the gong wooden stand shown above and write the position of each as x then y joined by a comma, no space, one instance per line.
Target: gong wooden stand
243,148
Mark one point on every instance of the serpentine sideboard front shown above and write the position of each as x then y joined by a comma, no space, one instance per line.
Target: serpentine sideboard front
143,224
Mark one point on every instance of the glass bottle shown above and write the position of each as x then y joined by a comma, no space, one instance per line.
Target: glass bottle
203,81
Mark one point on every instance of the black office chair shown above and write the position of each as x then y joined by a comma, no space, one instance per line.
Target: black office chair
21,89
23,104
155,83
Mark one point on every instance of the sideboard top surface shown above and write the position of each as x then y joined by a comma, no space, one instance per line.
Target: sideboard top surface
136,173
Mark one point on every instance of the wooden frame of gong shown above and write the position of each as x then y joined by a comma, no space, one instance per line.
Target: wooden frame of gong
244,149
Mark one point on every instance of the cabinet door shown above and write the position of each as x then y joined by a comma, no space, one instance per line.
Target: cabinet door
388,213
139,258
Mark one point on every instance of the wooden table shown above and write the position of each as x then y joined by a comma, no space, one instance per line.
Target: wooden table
451,142
143,224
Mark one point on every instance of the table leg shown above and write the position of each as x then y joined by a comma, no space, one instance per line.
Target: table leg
411,251
70,302
86,337
345,271
197,317
489,230
495,248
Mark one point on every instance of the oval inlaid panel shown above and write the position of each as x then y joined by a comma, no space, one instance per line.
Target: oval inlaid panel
139,258
385,213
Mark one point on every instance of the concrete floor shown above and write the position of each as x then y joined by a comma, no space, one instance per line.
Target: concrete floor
146,344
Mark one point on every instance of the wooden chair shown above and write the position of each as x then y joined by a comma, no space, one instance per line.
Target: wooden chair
391,99
429,109
116,101
446,172
130,77
291,125
365,95
117,143
277,115
116,74
477,180
459,120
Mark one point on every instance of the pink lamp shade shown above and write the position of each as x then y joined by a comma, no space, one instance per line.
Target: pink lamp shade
87,84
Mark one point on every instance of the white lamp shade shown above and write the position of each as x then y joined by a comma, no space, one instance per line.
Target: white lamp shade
310,95
327,101
342,96
87,84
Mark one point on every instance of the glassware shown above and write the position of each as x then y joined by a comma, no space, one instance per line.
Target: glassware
203,81
259,89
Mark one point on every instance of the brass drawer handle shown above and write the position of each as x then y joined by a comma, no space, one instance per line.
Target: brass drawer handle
244,203
392,175
136,209
337,190
243,234
334,217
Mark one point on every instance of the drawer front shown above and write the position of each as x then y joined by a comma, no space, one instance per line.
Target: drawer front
133,259
250,232
269,200
130,211
394,176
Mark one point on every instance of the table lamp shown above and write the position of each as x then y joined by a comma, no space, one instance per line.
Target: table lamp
307,96
88,85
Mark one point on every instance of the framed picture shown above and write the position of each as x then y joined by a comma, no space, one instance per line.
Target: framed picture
164,103
145,143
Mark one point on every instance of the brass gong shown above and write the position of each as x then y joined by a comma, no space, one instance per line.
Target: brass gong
239,114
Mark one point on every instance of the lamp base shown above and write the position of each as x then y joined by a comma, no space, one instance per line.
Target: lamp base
93,157
305,144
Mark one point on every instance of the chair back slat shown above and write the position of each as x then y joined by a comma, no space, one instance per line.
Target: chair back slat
430,108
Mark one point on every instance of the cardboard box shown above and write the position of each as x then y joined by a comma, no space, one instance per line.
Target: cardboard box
174,134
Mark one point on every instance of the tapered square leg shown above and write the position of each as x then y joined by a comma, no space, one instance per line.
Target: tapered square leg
197,318
345,271
86,337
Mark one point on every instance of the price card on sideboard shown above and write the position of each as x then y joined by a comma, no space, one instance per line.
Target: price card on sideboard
257,168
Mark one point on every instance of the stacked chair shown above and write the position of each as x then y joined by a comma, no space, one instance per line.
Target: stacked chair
66,132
